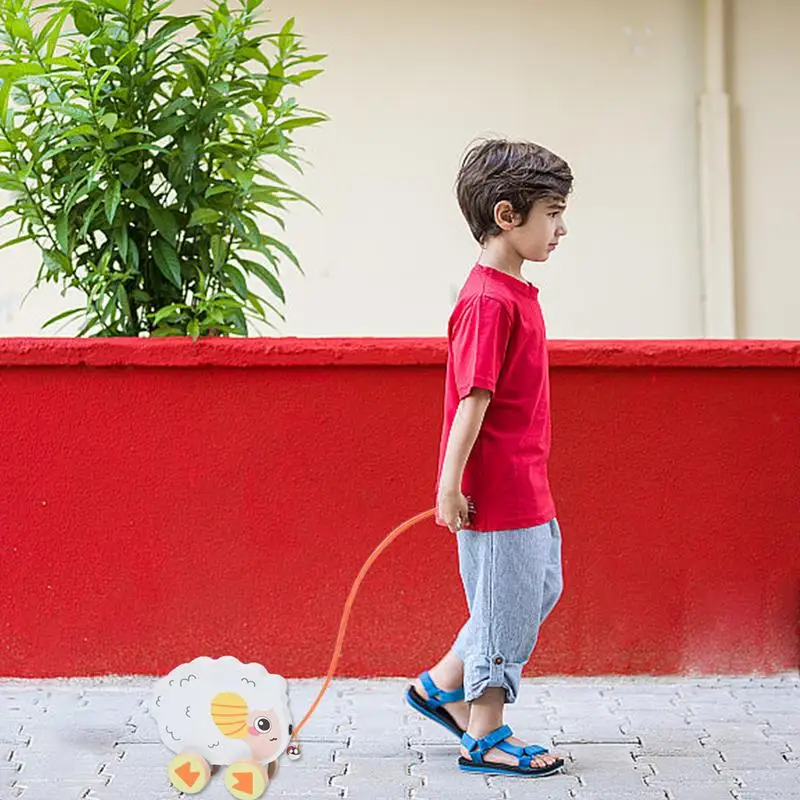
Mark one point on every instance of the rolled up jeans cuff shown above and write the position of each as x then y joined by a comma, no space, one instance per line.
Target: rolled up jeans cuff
481,672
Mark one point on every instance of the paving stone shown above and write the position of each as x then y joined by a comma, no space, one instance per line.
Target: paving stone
391,743
645,702
742,731
137,771
444,741
614,755
587,793
781,702
552,787
364,772
576,707
770,795
713,714
674,768
766,779
612,776
12,732
648,734
50,757
669,747
722,786
780,722
640,718
703,791
560,742
751,755
589,730
440,779
456,790
648,687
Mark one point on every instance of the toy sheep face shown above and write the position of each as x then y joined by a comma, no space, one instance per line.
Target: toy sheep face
263,730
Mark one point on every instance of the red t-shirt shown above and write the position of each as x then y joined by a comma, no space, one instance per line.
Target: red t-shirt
496,341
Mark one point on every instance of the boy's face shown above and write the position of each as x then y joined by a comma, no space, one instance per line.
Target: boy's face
539,235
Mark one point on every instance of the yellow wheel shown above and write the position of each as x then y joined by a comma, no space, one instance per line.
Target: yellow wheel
189,773
246,780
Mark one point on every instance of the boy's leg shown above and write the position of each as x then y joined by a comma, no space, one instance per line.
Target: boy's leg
448,675
512,581
553,578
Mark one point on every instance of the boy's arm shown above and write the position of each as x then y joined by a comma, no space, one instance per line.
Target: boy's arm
452,506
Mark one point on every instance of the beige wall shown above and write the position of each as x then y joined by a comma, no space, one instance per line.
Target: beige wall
765,88
408,85
612,87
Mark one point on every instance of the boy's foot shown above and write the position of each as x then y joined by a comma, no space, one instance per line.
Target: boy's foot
427,698
458,710
541,763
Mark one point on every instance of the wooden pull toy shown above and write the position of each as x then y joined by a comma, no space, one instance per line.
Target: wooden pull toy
221,712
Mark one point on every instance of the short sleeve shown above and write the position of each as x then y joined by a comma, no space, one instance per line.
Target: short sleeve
479,335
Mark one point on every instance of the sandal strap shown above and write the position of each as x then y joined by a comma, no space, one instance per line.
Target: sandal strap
478,748
535,750
524,755
528,750
436,697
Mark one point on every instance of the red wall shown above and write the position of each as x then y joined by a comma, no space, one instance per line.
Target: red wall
161,500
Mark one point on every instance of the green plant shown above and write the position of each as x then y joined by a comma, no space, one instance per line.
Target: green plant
136,161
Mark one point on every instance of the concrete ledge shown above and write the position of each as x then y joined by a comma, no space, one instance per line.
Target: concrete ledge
299,352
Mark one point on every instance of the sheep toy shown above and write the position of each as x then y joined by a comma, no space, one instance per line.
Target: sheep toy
222,712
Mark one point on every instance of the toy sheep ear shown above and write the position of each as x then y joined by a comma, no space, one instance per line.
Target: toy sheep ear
229,713
291,728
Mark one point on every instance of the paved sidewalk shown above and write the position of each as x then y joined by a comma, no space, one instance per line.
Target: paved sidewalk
625,739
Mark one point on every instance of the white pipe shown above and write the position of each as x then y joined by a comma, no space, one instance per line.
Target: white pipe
719,282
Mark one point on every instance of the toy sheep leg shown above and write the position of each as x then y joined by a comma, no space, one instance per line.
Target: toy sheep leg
189,772
246,780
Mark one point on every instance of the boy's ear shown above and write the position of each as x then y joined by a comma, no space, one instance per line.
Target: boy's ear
504,216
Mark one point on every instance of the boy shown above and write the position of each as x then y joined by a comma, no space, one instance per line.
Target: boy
493,487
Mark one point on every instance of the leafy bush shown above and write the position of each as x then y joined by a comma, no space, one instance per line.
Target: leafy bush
136,161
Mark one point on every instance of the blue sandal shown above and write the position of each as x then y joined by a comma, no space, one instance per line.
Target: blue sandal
497,738
432,706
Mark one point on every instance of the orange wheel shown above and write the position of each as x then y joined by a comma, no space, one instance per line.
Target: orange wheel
246,780
189,773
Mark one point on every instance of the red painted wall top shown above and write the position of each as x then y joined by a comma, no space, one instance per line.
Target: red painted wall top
291,351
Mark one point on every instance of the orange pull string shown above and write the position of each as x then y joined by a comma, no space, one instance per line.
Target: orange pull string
337,648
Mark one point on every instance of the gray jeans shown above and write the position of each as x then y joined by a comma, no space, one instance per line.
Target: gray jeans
512,580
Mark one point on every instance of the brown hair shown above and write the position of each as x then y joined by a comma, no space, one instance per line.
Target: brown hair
519,172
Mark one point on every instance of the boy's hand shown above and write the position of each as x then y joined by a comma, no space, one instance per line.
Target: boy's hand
454,509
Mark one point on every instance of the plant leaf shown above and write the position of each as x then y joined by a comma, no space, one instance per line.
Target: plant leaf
238,281
12,242
63,315
217,250
300,122
109,120
19,27
167,260
204,216
112,198
86,22
62,233
165,223
269,280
